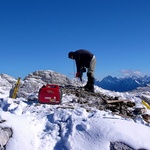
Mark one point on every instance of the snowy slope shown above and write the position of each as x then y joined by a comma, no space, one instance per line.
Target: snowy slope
69,126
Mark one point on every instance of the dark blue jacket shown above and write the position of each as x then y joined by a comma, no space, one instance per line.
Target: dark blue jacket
82,58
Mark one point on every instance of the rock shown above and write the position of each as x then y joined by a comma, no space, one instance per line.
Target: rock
146,117
5,135
34,81
119,146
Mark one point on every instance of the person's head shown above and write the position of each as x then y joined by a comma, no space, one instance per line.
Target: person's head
70,55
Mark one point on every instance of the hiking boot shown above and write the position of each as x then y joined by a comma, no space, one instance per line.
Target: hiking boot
86,86
90,88
90,84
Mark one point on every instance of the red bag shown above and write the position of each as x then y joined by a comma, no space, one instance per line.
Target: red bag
50,94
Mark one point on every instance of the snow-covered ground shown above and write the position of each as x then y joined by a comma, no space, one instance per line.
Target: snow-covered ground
51,127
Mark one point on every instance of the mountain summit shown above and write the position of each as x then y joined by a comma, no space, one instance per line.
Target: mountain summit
123,84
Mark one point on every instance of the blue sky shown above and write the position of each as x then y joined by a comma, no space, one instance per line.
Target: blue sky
38,34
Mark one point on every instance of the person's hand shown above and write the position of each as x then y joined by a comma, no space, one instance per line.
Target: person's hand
78,74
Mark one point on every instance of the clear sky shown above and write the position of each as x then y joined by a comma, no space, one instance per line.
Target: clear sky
38,34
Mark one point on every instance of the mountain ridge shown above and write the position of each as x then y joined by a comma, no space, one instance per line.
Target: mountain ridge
42,77
123,84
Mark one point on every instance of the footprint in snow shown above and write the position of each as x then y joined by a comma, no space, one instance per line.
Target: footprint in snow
82,127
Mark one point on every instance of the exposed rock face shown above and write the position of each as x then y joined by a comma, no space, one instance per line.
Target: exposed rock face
50,77
6,83
5,134
119,146
34,81
31,84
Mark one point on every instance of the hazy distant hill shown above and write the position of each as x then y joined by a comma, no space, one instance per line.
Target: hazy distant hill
123,84
33,81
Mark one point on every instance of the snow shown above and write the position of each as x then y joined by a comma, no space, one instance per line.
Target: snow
49,127
45,127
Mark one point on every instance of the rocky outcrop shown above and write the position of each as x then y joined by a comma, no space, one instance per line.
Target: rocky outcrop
34,81
5,135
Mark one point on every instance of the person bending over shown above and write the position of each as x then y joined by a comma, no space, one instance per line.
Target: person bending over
84,60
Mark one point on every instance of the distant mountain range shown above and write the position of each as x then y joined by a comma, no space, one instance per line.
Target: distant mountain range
123,84
42,77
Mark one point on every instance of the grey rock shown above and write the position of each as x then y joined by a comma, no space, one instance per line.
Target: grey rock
34,81
5,134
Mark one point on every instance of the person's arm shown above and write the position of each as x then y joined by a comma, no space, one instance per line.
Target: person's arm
77,60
